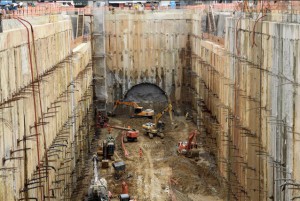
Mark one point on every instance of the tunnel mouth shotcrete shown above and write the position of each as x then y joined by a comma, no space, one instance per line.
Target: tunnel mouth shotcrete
146,93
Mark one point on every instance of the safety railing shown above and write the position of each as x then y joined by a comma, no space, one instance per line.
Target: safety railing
43,9
286,7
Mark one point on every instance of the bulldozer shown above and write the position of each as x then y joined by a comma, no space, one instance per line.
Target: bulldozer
138,111
156,128
189,148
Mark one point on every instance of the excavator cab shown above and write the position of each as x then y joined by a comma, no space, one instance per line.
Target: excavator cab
138,110
189,148
160,125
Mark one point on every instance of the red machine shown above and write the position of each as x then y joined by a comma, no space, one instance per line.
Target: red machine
102,120
124,188
130,134
190,147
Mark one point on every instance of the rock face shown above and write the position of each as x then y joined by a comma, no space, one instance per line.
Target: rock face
145,93
147,48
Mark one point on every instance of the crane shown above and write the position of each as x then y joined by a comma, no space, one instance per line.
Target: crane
138,111
157,127
189,147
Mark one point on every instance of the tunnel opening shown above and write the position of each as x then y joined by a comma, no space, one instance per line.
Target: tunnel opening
141,98
146,93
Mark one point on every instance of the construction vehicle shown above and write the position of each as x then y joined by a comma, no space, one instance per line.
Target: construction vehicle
119,168
189,148
129,134
98,188
138,111
156,128
108,148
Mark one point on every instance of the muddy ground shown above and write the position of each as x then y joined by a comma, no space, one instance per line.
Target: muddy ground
161,174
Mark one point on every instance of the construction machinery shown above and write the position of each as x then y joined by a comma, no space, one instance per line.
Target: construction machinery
119,169
138,111
129,134
189,148
107,150
98,188
156,128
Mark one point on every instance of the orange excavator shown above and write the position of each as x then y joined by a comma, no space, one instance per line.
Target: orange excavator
138,111
190,147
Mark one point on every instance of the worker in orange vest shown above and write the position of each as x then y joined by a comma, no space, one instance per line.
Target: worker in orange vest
141,152
124,188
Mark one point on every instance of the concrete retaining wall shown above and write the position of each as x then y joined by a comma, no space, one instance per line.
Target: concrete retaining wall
250,89
59,106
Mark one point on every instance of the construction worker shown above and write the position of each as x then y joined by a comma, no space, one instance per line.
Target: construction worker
124,188
152,7
110,195
141,152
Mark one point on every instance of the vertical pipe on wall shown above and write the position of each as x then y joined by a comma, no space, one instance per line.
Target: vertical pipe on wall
35,106
25,161
73,122
260,118
40,104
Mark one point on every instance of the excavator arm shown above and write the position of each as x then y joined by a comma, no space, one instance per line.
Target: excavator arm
190,140
132,104
159,115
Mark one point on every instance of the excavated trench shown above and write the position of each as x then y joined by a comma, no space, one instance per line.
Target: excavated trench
160,173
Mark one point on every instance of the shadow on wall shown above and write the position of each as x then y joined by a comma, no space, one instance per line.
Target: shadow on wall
147,93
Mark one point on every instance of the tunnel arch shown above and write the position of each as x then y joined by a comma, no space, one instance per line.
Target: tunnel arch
147,93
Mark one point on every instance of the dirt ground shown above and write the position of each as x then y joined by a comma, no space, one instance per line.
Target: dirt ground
161,174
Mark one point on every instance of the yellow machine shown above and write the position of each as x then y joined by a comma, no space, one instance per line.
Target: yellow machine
138,111
156,128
